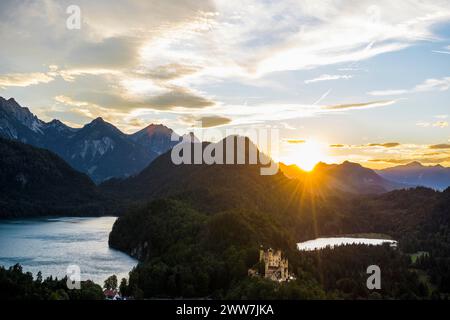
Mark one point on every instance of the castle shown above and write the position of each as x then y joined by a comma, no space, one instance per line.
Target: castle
271,266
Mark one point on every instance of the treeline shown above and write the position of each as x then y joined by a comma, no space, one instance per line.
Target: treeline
18,285
342,271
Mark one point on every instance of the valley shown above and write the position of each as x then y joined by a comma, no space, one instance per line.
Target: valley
195,230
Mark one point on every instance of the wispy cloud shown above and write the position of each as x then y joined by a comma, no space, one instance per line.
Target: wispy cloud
328,77
338,145
385,145
446,51
441,84
362,105
295,141
24,79
437,124
440,146
213,121
409,160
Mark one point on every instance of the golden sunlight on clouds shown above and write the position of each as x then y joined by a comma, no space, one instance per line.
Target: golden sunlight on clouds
384,155
24,79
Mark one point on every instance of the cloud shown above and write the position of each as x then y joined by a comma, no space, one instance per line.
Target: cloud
447,50
218,35
388,145
214,121
385,145
440,146
442,84
433,85
71,102
440,124
439,51
137,123
170,99
170,71
406,161
24,79
109,53
177,97
363,105
437,124
135,54
394,161
295,141
328,77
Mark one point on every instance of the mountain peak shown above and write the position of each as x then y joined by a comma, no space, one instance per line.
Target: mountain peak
58,125
351,164
14,110
98,120
55,122
103,127
414,164
157,128
321,165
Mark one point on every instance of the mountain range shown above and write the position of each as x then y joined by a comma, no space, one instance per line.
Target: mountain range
347,177
98,149
354,178
102,151
435,177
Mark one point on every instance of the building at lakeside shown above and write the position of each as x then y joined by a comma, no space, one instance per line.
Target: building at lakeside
272,265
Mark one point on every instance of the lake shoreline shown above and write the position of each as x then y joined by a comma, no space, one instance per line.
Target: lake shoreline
50,244
332,242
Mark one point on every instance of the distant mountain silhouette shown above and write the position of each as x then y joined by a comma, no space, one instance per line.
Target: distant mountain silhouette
215,185
155,137
347,177
103,151
98,149
414,173
35,181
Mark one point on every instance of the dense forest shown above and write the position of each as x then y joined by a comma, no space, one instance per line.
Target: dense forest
16,284
185,252
35,181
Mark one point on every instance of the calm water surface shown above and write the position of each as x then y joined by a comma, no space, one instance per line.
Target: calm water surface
50,245
322,243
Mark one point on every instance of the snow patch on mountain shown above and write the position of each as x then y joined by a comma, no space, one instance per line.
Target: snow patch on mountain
97,147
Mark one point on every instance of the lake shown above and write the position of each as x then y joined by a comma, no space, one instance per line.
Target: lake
50,245
321,243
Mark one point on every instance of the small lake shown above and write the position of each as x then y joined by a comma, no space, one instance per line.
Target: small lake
321,243
50,245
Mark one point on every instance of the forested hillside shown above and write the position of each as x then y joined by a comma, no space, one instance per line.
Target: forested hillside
37,182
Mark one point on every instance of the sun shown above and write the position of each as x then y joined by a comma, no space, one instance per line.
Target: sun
306,155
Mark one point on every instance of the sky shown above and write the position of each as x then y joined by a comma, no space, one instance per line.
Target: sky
365,81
